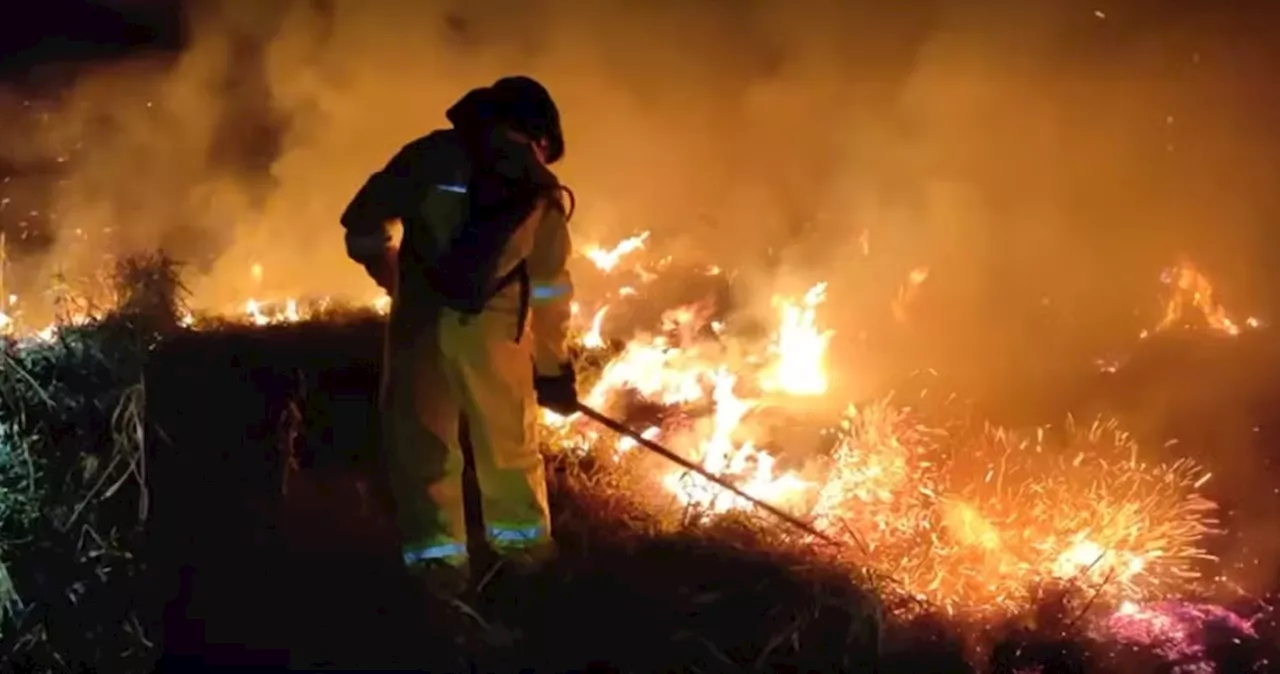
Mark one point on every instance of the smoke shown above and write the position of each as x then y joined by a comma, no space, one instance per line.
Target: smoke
1017,150
1044,160
160,153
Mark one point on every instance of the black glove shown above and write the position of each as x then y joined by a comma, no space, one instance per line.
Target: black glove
558,393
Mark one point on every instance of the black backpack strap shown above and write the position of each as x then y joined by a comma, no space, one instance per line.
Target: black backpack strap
526,290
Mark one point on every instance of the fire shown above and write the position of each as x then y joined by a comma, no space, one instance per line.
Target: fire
1178,631
606,259
908,292
749,467
970,520
253,311
682,367
1191,293
664,369
800,347
973,523
593,340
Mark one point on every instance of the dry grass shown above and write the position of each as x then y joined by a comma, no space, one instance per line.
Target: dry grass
633,591
74,479
314,582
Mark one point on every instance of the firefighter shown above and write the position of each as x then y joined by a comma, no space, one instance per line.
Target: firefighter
478,326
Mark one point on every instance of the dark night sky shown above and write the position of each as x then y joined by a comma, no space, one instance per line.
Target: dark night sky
44,46
68,32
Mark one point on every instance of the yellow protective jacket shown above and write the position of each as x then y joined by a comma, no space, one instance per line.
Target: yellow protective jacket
424,187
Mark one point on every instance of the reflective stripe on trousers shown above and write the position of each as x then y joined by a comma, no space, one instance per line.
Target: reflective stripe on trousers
499,536
517,536
439,551
543,293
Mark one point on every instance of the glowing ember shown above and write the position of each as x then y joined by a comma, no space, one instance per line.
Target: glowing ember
973,523
1177,631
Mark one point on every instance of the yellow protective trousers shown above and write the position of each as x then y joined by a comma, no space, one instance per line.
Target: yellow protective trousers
437,368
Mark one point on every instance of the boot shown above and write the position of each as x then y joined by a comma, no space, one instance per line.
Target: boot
443,579
527,560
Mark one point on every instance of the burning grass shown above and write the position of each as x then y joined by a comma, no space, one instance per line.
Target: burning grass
956,542
965,518
977,518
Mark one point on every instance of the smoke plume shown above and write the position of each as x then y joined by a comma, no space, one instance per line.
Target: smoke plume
1051,150
1044,160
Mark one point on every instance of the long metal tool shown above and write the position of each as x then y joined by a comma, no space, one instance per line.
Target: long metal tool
624,430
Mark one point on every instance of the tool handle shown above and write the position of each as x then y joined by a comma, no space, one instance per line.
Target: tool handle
624,430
